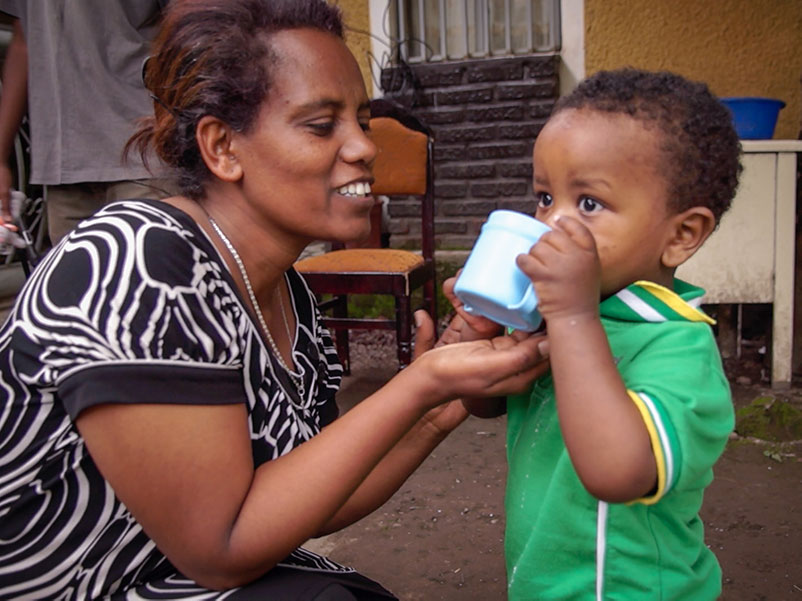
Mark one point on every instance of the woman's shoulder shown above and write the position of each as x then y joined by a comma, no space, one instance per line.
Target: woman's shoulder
136,260
147,238
136,216
136,281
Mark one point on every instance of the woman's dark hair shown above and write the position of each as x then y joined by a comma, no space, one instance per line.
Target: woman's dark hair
213,57
701,151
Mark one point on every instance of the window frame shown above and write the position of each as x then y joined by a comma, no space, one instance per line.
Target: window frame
477,20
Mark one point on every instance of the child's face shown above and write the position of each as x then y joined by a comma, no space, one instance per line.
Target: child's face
603,170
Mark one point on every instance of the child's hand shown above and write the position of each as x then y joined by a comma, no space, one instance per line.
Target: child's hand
564,266
465,326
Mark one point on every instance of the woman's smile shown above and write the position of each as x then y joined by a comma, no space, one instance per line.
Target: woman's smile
359,192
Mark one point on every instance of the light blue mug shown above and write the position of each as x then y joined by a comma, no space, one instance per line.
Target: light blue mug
491,284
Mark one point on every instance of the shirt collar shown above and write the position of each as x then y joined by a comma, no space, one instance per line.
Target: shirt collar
649,302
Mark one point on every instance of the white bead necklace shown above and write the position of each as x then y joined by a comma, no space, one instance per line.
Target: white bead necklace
297,379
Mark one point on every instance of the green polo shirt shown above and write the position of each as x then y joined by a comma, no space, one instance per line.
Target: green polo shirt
561,542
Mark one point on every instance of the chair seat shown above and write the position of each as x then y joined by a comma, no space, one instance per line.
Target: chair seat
362,260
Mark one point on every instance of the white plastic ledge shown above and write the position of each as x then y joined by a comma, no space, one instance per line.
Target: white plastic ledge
771,145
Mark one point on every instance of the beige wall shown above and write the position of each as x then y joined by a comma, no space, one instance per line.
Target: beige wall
739,47
357,21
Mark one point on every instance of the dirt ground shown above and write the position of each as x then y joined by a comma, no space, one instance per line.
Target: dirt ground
440,537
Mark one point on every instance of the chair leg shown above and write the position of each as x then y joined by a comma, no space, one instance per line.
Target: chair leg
403,330
430,300
340,309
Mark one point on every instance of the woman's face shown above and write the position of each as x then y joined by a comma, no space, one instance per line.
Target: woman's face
307,160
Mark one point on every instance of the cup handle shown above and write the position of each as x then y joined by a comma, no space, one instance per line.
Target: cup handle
528,302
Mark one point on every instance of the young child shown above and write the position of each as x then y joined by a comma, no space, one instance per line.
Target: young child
610,452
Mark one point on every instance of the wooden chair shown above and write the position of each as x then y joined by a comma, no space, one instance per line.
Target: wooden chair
403,167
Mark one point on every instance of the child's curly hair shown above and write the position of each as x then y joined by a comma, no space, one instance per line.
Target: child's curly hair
701,151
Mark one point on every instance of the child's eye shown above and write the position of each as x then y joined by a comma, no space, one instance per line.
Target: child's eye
365,125
544,200
589,205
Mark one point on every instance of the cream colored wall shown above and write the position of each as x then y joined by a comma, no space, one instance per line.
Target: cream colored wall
357,21
739,47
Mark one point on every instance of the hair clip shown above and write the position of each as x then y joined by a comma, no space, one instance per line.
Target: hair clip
173,112
145,68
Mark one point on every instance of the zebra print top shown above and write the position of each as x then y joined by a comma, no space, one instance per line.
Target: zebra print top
135,304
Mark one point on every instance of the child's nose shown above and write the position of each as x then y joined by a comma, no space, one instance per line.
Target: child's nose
551,218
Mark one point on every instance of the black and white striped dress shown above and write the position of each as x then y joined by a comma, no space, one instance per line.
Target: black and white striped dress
135,305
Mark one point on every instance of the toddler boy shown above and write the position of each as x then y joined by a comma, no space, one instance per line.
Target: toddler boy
609,453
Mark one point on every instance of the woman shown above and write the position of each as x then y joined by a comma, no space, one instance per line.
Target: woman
168,415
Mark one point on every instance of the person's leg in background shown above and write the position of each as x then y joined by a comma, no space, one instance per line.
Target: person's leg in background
68,204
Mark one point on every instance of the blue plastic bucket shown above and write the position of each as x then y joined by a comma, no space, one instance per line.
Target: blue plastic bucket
754,118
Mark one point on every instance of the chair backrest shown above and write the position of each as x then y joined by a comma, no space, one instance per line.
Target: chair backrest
400,166
404,163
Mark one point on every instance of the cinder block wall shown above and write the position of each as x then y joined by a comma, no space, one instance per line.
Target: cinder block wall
485,114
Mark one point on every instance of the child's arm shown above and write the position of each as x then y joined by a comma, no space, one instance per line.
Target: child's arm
603,431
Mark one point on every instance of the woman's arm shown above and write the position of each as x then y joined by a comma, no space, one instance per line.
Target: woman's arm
415,446
187,475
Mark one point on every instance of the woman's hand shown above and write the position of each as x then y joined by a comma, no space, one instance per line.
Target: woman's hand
477,369
443,418
483,368
465,327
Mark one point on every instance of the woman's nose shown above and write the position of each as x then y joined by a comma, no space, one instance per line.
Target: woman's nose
358,147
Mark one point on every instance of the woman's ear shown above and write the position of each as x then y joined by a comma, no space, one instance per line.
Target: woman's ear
214,138
690,229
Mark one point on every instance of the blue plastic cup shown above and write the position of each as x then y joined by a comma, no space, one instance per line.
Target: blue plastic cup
491,284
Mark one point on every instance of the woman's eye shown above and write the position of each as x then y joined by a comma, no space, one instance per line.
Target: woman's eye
322,128
365,125
543,199
589,205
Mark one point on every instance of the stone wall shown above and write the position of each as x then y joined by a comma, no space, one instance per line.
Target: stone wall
485,114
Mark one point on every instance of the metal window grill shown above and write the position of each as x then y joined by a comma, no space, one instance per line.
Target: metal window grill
437,30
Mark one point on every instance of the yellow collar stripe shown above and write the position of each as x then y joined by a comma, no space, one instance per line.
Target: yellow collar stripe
673,301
